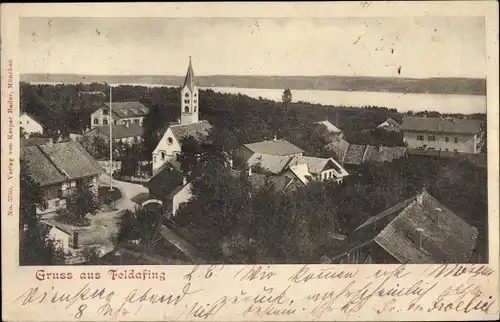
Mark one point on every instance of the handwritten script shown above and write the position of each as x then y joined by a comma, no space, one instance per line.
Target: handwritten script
269,292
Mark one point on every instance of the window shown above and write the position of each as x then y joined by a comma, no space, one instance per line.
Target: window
57,203
105,122
194,95
455,140
73,183
431,138
447,139
162,155
446,150
194,101
455,150
186,101
420,137
170,141
114,122
96,121
104,112
186,109
154,159
136,121
94,179
195,108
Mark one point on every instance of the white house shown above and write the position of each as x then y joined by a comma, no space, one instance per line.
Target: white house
332,129
308,169
445,134
126,113
171,187
30,124
189,124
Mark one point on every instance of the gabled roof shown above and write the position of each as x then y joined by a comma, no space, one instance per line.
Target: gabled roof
274,147
440,125
162,184
316,165
446,238
189,81
119,131
390,122
123,110
199,130
339,148
330,127
354,154
59,162
301,172
272,163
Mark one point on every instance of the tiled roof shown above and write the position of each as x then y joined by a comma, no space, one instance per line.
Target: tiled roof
164,182
272,163
120,131
354,154
278,147
199,130
34,141
383,153
123,110
49,164
330,127
446,238
301,172
339,148
440,125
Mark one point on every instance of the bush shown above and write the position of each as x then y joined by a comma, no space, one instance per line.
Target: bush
66,217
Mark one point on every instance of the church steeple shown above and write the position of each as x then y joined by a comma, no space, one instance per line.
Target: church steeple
189,80
189,98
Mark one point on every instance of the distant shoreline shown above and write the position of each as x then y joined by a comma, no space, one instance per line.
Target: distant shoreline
462,86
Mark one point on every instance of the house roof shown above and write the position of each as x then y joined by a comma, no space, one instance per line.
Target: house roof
440,125
189,81
59,162
339,148
354,154
383,153
272,163
316,165
301,172
34,141
446,238
120,131
330,127
162,184
258,180
390,122
274,147
123,110
199,130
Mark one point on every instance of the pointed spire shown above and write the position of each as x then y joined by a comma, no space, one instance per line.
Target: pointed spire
189,80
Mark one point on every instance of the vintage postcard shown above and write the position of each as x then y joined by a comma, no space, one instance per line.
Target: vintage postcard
250,161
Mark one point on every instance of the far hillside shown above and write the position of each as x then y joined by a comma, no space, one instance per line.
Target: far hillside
465,86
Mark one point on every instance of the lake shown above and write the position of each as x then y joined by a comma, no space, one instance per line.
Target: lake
443,103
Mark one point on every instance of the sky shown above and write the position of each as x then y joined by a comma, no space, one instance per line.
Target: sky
423,47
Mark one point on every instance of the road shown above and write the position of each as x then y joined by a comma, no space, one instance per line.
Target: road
104,226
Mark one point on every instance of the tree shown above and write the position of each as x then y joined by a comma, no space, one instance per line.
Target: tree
35,246
141,224
82,201
130,159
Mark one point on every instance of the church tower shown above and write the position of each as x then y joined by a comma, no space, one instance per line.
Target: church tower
189,98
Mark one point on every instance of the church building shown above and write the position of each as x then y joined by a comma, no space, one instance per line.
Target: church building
189,125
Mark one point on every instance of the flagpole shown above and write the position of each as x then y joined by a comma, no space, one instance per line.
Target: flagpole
110,139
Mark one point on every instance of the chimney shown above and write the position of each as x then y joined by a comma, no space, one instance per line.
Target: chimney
420,196
420,237
184,181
